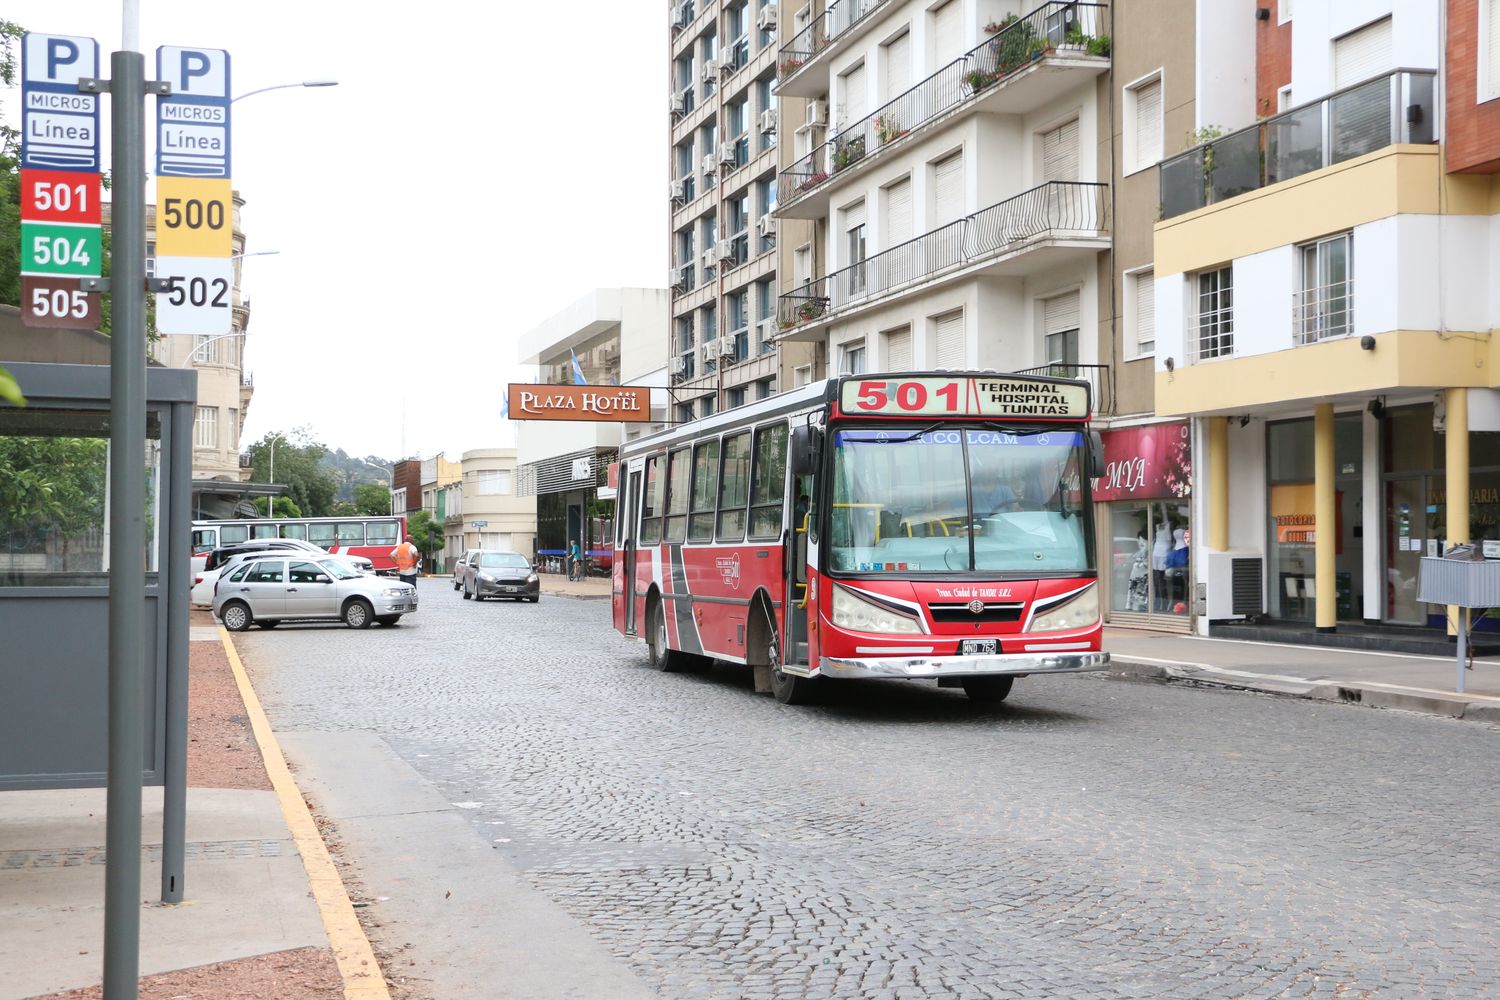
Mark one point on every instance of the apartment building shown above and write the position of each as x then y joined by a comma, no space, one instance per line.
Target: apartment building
722,230
484,509
1324,309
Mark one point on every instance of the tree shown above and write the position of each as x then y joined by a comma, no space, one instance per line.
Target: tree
372,499
284,506
426,534
10,201
297,464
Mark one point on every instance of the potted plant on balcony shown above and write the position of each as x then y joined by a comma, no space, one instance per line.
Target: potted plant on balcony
995,27
847,151
809,310
888,129
813,181
789,66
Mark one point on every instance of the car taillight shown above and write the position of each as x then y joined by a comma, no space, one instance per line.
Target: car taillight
197,579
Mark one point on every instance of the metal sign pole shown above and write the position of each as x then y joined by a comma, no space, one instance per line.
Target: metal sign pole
127,526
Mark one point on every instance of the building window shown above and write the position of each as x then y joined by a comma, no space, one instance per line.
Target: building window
1060,322
767,34
897,350
685,172
802,375
1324,302
1284,97
206,427
207,350
737,26
1140,311
852,358
493,482
948,347
765,388
736,397
1143,124
1215,327
685,352
706,406
708,324
737,129
231,431
708,144
708,48
765,101
684,413
739,323
1489,49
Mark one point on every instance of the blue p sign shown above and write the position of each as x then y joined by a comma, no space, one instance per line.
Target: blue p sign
60,52
57,59
194,72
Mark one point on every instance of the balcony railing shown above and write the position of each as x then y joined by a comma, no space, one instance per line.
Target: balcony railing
1101,390
1074,28
1396,108
836,19
1057,209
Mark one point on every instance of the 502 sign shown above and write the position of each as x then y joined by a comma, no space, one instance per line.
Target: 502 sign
198,297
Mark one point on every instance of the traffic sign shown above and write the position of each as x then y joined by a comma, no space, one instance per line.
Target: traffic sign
59,124
199,295
192,125
57,248
60,196
193,217
59,302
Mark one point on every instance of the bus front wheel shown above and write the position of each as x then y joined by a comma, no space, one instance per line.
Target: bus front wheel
987,690
662,656
789,689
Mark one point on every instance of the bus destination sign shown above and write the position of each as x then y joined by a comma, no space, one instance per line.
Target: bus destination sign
1007,396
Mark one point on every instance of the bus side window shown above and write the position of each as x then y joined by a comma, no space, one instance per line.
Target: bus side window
323,534
262,531
382,533
204,540
651,502
768,481
705,485
678,470
231,534
298,531
351,533
734,487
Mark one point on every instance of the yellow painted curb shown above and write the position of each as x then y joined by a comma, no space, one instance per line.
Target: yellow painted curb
361,973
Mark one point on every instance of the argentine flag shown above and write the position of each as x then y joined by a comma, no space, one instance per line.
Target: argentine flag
578,378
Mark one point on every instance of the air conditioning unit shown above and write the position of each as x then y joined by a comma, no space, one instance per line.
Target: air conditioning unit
679,103
682,15
768,121
710,71
677,190
766,19
766,226
710,166
726,250
1235,585
817,112
677,366
764,331
709,260
726,154
726,347
710,351
677,277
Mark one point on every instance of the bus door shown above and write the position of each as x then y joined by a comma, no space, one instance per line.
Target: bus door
631,514
803,462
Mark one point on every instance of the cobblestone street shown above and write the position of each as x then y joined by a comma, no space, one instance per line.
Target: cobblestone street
1091,837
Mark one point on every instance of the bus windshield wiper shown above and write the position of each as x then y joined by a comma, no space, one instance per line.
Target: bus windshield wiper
914,434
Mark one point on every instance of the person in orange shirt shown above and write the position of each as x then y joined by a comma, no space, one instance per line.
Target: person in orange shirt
406,556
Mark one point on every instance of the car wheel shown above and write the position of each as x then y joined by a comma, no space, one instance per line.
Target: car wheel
387,619
236,616
533,600
467,595
358,613
266,624
987,690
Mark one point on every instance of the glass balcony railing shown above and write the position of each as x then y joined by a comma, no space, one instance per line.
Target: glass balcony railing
1056,209
1396,108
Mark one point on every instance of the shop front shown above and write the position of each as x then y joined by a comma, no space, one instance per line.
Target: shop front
1145,516
570,509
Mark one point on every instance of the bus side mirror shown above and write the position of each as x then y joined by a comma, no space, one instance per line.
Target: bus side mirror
1096,455
807,447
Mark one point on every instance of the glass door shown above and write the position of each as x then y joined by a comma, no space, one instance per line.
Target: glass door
1406,538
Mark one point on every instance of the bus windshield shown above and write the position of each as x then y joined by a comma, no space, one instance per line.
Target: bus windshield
901,501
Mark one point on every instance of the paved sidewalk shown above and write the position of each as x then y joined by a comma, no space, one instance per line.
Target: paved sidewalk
1384,680
594,587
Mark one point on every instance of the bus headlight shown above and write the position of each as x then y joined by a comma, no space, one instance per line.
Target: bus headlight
859,615
1076,612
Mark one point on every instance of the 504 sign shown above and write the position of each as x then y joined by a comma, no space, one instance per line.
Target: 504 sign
198,297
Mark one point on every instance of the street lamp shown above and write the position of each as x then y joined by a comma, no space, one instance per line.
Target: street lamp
283,86
391,488
271,476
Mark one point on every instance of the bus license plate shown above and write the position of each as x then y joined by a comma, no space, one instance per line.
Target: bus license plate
979,647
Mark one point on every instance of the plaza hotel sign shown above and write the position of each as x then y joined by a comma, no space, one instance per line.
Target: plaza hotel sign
611,403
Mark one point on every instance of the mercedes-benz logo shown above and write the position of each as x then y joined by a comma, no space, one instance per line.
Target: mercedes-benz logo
976,606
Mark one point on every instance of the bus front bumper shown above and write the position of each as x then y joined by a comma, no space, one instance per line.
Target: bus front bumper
964,666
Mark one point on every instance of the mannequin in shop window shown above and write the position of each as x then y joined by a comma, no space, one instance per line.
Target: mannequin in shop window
1159,553
1138,596
1177,573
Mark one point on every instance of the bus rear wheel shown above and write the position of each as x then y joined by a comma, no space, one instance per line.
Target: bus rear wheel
987,690
662,656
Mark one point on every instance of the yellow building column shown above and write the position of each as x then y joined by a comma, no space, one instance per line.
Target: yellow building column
1456,451
1218,484
1325,543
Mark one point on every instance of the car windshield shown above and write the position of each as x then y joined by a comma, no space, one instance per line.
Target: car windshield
901,501
339,570
503,560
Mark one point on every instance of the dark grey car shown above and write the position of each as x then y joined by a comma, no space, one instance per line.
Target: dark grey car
500,574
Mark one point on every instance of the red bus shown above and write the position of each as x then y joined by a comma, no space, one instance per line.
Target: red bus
371,537
929,525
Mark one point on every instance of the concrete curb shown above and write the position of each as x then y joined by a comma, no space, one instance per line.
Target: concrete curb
576,597
1452,706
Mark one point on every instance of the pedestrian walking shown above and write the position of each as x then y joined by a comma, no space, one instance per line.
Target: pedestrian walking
575,561
407,558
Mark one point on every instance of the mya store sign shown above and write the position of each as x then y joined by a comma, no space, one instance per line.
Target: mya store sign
1152,462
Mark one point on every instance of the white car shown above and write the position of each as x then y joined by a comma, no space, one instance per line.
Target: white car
205,581
287,587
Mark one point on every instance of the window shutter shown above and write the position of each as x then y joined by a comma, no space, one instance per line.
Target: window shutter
949,184
947,32
950,341
1362,54
1147,124
1060,314
898,67
854,216
1145,311
898,350
898,214
1060,153
854,96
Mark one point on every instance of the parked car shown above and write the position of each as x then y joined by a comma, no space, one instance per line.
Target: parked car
271,590
501,574
205,583
460,566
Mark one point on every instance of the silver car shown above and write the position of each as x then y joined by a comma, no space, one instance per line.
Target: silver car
267,592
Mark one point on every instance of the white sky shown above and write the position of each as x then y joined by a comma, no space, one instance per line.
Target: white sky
480,165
